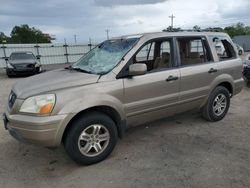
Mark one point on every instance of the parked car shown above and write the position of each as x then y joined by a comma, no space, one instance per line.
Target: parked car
124,82
22,63
246,69
240,49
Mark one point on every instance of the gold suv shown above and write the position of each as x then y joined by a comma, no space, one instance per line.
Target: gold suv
124,82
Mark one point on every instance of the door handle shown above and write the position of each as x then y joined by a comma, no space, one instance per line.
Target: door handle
172,78
212,70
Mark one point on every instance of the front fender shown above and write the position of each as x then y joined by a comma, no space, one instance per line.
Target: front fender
93,100
73,107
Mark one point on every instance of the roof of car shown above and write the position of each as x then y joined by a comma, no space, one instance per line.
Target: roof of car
167,34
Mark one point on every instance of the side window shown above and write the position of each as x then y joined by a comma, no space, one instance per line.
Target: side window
156,54
163,58
223,47
196,47
165,47
194,50
146,53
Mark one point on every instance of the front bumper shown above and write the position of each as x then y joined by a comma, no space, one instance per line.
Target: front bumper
28,71
246,72
45,131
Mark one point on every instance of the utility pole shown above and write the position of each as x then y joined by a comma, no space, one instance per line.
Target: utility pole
107,31
90,43
75,38
172,20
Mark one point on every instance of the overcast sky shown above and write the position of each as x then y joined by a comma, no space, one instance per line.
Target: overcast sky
90,18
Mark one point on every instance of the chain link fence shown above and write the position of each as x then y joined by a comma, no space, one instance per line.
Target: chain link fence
47,53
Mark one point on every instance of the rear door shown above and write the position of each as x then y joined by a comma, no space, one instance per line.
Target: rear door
197,70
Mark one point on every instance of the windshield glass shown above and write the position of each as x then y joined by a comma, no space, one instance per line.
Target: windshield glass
105,56
18,56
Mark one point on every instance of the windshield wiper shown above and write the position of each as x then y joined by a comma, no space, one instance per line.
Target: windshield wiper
78,69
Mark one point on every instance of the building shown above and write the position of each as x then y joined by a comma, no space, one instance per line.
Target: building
243,40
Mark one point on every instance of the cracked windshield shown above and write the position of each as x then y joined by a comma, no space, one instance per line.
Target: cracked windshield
105,57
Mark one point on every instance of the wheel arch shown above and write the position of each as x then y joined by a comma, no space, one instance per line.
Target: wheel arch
107,110
224,81
228,86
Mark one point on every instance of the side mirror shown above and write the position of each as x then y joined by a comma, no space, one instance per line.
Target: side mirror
38,57
137,69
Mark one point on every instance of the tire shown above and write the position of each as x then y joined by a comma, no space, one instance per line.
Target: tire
38,70
84,150
211,111
9,75
240,52
248,83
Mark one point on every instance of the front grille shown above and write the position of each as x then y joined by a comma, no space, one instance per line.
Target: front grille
24,66
20,66
31,66
12,99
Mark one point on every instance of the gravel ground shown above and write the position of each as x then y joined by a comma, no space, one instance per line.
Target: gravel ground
182,151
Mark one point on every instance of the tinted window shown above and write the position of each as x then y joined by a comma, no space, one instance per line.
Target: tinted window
193,50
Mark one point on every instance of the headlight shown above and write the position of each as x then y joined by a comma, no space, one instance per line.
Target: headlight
41,104
37,65
9,66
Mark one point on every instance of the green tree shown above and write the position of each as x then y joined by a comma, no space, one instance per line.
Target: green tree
214,29
172,29
237,29
26,34
196,28
3,38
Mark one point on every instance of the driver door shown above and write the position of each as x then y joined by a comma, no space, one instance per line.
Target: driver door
155,94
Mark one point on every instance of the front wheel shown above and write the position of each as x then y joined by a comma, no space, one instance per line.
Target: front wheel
91,138
217,105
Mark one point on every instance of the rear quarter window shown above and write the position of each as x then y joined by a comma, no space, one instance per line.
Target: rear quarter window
223,47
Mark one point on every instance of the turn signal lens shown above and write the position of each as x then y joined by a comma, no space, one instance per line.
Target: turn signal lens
46,108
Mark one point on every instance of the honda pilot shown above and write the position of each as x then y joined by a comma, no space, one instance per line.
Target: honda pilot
123,82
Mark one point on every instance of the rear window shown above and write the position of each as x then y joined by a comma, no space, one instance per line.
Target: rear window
223,47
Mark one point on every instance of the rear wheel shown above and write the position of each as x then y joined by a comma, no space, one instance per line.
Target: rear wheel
217,105
91,138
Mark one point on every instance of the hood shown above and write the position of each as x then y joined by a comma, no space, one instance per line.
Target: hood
23,61
51,81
